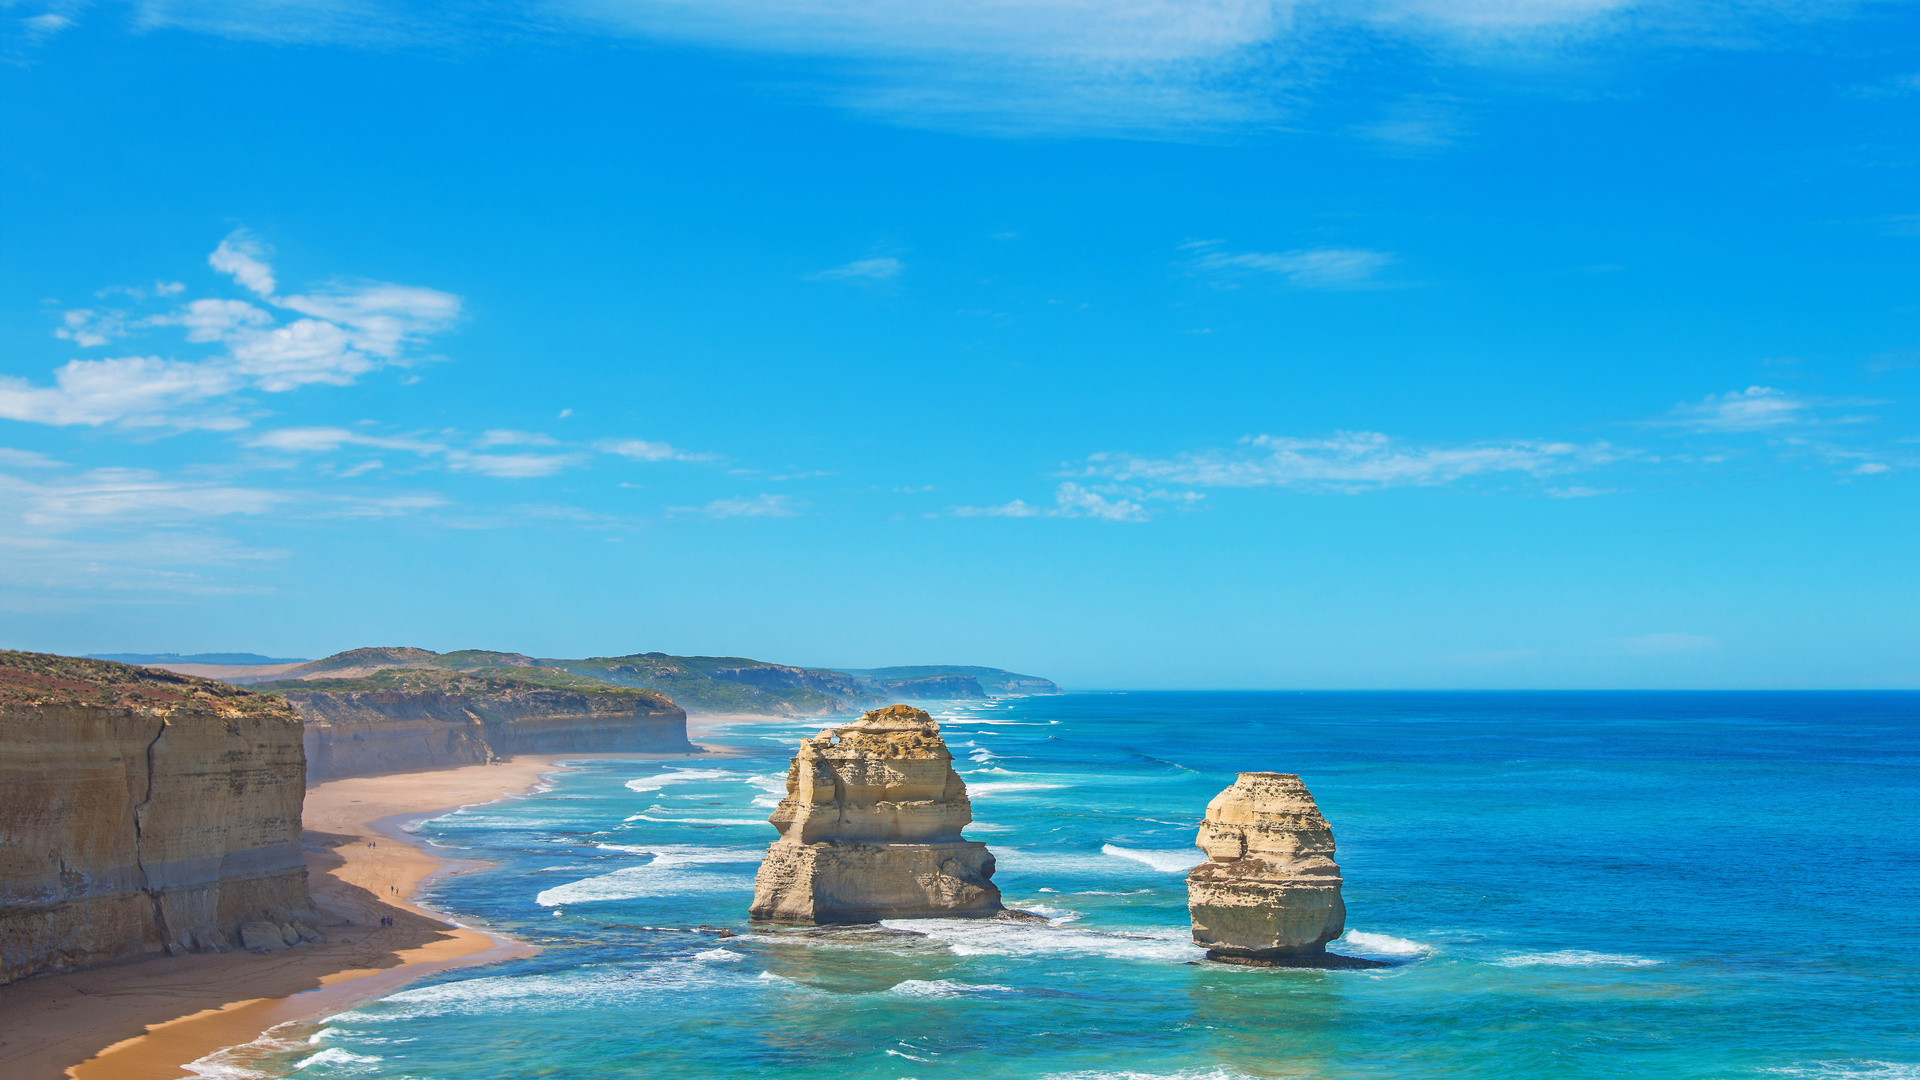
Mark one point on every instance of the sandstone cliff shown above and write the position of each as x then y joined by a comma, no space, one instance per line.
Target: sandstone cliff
398,720
870,829
1269,889
141,812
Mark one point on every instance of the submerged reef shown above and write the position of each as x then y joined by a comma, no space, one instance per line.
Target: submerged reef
1269,892
870,829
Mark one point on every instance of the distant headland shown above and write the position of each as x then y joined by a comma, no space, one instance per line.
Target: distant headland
698,684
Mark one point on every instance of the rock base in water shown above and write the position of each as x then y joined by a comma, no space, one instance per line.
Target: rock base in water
851,882
1325,960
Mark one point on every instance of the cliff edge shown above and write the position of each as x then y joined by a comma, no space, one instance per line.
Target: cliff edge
143,812
402,719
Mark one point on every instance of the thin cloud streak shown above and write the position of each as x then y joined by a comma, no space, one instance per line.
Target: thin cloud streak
1048,65
1350,462
872,269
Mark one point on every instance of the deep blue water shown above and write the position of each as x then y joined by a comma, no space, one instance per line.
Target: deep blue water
1715,885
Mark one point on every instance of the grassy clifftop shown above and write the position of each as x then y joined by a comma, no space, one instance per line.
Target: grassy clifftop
707,684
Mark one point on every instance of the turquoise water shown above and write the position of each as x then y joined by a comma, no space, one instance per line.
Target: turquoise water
1574,885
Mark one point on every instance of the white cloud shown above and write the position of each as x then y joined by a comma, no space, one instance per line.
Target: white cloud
1305,267
643,450
1045,65
240,256
320,440
1348,461
350,331
875,269
1754,409
510,466
1070,500
507,437
87,328
46,23
757,506
26,459
120,496
136,391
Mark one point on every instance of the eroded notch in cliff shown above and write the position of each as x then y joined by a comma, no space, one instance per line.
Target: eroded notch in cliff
140,847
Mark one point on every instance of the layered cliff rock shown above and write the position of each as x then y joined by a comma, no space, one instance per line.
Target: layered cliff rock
1269,890
400,720
142,812
870,829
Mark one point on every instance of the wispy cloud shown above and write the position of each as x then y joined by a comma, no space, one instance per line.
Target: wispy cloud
1761,408
471,459
644,450
1312,268
1753,409
350,330
121,496
1102,502
1349,462
1048,65
872,269
743,506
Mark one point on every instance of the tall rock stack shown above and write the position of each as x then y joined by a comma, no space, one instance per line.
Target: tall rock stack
1269,891
870,829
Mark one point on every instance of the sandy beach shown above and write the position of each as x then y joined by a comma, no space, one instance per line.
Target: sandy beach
143,1019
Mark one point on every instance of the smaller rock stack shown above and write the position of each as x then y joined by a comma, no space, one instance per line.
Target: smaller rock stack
1269,892
870,829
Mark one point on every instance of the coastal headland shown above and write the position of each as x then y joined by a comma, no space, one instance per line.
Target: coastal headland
145,1019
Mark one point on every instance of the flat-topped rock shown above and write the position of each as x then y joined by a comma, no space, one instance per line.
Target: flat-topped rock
870,829
1269,890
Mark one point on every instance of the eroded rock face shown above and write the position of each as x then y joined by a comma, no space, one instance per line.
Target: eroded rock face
433,719
140,812
1269,889
870,829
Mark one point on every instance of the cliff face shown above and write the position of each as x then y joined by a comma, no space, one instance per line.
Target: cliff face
402,720
870,829
1269,889
141,812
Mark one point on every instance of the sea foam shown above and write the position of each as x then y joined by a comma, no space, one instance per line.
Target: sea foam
1174,861
992,937
1576,958
1378,945
679,776
666,875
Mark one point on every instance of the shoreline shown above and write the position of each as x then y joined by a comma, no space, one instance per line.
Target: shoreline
148,1018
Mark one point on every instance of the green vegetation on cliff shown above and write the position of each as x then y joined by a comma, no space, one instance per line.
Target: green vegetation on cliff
474,683
28,678
707,684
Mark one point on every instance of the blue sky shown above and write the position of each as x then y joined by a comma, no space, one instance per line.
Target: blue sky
1235,344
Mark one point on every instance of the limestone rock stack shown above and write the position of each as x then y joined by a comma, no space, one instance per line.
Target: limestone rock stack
143,812
870,829
1269,890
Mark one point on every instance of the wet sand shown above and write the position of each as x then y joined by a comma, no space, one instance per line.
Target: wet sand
152,1015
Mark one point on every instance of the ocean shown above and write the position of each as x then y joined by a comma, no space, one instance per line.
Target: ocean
1710,885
